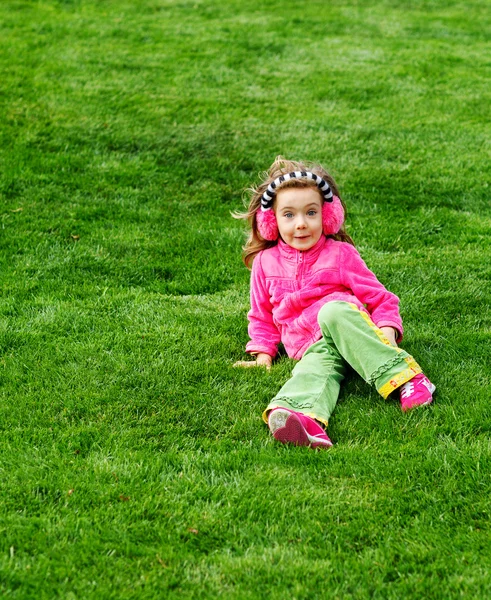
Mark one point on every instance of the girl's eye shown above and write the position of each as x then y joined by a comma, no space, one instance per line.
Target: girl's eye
312,213
288,215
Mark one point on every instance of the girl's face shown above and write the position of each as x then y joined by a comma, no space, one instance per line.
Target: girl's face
299,215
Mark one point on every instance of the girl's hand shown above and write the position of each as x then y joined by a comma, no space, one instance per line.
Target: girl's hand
391,334
262,360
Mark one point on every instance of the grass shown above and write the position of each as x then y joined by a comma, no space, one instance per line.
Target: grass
133,459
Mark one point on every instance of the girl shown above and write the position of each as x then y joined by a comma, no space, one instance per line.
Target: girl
311,290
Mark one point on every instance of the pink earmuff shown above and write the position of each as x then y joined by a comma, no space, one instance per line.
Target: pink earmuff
332,216
332,220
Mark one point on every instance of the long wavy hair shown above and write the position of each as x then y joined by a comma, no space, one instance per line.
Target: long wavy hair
281,166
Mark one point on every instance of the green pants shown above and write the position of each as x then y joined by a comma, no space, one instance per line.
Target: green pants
348,336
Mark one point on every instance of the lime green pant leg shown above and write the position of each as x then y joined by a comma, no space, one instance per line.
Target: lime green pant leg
365,347
314,385
348,336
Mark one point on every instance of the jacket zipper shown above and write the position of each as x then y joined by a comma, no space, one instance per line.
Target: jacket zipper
299,265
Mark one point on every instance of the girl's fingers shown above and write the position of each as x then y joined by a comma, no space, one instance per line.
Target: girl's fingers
245,363
252,363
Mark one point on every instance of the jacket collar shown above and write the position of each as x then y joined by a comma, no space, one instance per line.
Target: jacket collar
310,255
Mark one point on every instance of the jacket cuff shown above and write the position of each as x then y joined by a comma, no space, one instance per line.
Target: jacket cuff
252,348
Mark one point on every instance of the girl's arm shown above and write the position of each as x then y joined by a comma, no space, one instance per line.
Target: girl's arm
382,305
264,334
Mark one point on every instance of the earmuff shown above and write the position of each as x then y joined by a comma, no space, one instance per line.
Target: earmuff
332,209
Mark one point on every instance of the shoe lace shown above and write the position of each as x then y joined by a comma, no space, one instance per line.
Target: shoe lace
427,384
407,389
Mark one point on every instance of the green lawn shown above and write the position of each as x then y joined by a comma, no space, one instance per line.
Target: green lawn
133,459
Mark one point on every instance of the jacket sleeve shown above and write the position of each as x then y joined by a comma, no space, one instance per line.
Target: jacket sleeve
382,305
264,334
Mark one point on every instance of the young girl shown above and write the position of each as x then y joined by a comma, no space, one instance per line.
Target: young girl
311,290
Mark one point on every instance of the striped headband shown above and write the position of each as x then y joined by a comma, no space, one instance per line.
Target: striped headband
268,197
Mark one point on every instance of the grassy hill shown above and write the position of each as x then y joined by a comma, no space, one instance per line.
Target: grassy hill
133,459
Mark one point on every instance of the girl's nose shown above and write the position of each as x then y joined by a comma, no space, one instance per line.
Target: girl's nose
300,224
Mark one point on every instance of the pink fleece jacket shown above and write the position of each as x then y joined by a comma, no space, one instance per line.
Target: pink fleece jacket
289,287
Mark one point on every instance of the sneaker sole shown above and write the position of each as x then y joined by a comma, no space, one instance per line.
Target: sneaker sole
288,429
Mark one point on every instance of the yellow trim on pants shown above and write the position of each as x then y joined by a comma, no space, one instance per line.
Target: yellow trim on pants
401,378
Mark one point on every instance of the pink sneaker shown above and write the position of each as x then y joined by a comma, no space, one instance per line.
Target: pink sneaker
290,427
416,392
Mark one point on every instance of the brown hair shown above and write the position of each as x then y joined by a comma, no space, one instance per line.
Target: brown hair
281,166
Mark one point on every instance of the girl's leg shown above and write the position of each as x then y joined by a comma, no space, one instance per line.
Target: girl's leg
313,389
364,346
